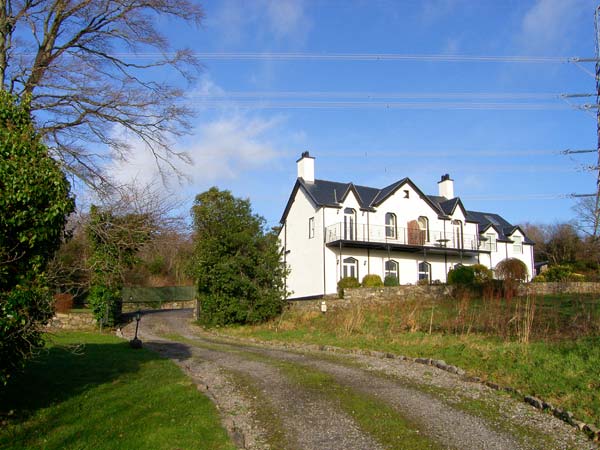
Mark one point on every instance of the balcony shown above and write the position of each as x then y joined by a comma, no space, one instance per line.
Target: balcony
403,239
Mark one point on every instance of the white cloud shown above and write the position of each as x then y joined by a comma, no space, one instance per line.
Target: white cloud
221,149
238,20
286,17
547,24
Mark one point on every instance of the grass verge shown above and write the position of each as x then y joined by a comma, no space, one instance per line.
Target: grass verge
89,390
561,372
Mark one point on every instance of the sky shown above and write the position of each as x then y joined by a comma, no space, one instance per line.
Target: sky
379,90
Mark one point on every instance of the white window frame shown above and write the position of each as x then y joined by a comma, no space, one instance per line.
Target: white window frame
311,227
423,222
348,264
517,244
391,226
395,272
424,274
492,241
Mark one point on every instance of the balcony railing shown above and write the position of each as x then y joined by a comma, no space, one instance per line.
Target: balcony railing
402,236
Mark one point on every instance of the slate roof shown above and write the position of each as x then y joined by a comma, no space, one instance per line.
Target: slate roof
333,193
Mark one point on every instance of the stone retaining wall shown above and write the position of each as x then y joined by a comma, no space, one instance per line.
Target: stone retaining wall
129,307
73,321
432,292
560,288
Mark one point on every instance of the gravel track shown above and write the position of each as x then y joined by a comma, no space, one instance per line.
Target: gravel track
312,421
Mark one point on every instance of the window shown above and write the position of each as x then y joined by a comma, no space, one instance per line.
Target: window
349,224
390,226
491,242
391,269
311,227
350,268
457,234
517,244
424,227
425,271
406,193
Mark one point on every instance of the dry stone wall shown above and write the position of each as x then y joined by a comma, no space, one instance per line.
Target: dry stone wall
72,321
432,292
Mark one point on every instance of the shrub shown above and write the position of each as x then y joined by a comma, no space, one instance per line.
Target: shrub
372,281
577,277
391,280
347,282
461,275
236,262
539,279
482,273
106,304
423,282
512,269
558,273
22,313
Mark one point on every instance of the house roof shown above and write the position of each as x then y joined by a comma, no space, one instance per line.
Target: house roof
333,193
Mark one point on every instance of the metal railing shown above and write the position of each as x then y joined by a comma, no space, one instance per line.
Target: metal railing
402,236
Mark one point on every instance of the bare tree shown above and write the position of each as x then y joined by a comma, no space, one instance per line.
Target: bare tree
87,67
587,216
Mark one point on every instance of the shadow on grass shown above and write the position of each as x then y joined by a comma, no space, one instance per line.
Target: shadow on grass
65,370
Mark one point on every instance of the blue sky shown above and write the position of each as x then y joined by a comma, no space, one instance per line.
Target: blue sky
495,127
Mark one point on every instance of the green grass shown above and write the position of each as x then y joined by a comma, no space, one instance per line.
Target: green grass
563,372
91,391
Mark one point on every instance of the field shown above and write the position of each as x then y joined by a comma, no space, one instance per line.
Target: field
89,390
545,346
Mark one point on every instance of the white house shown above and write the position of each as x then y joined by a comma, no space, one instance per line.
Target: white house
330,230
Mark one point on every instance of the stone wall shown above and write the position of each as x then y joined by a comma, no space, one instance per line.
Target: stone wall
432,292
130,307
560,288
73,321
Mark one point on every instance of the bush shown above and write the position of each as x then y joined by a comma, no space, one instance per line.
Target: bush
482,274
558,273
539,279
106,304
390,281
512,269
23,311
461,275
236,262
347,282
371,281
577,277
423,282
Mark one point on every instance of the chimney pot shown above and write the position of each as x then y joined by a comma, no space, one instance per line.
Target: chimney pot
306,167
446,186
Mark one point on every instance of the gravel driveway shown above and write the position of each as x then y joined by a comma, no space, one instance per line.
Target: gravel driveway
263,404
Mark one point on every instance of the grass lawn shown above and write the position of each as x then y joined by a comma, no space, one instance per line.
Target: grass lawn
91,391
561,371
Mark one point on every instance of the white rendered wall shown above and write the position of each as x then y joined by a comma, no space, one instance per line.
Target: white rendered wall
304,255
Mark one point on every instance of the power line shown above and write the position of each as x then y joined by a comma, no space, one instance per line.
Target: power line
382,57
383,95
496,106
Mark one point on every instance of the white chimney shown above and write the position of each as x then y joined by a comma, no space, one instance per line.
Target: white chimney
446,187
306,168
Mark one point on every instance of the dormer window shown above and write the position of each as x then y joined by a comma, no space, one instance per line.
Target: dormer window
390,226
517,244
